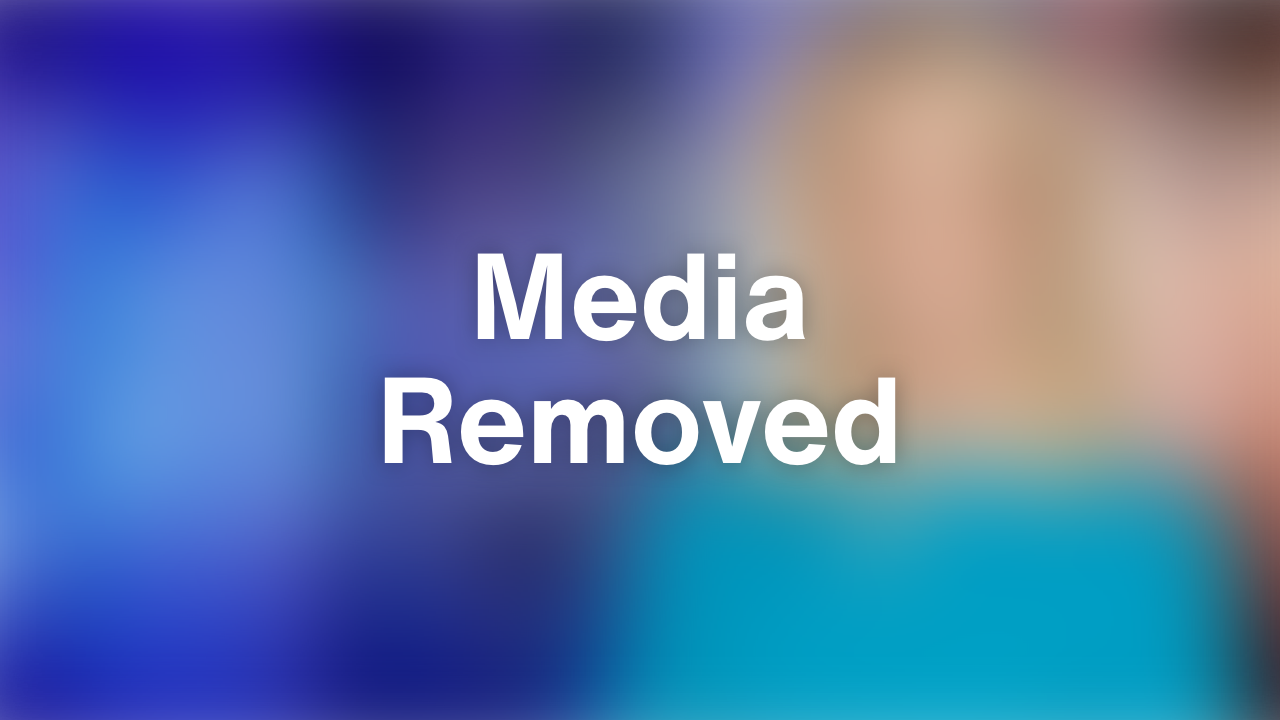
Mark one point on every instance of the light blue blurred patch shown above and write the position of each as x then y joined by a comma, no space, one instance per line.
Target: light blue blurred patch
1033,588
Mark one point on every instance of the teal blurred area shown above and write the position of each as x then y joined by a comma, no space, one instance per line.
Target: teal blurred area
968,586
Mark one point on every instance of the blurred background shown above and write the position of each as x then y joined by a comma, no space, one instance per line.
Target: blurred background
1056,223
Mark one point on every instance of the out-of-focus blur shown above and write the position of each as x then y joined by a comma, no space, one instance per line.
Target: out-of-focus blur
1055,223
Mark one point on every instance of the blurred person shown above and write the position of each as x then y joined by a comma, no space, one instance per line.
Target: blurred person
1016,559
1198,152
932,190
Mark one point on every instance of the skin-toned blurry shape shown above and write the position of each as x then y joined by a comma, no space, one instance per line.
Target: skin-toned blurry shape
931,183
1196,142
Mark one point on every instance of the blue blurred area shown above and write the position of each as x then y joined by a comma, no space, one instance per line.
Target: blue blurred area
975,585
223,227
